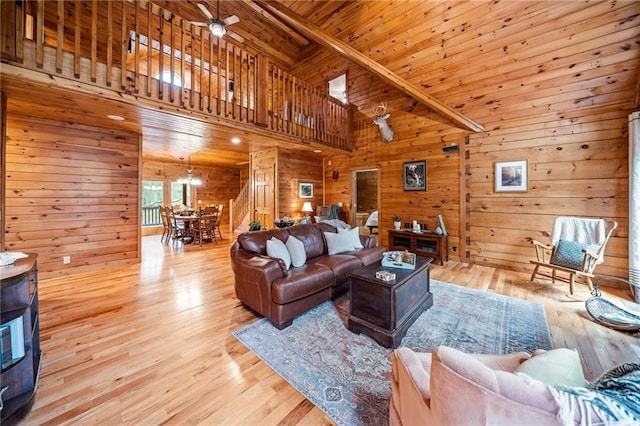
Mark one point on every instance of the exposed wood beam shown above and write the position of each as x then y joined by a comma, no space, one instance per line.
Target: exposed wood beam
316,34
293,35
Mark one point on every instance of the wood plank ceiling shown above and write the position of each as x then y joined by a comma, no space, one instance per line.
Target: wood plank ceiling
406,37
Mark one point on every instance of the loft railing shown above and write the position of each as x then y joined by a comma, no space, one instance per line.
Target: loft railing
140,48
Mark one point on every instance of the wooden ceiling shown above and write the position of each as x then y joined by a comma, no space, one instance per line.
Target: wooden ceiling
406,38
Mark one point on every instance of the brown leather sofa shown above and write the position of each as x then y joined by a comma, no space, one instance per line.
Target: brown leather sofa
265,285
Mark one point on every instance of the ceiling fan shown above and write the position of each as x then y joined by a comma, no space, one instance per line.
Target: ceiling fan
217,26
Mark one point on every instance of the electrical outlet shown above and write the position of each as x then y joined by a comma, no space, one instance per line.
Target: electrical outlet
66,260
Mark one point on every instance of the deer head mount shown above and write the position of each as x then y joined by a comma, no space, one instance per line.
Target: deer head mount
386,131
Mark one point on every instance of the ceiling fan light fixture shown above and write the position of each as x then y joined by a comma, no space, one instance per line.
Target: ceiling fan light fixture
217,28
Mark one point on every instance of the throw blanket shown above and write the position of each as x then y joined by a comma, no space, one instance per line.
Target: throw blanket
614,398
579,230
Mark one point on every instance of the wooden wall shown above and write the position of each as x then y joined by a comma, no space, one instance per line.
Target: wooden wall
556,93
291,168
73,191
219,184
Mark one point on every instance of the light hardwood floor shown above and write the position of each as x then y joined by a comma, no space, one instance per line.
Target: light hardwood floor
151,343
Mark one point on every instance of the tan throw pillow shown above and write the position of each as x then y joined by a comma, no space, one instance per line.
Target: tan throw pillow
277,250
555,367
296,251
353,237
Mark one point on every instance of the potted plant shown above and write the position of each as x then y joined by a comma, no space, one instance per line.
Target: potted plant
397,221
255,225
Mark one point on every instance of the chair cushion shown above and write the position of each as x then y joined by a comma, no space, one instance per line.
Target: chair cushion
568,254
555,367
277,250
296,250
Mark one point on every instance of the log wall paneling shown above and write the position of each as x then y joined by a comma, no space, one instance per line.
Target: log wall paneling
292,169
72,191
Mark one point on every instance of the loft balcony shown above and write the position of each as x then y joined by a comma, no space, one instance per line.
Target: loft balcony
138,48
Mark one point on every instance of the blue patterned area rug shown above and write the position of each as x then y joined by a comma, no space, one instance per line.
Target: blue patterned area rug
348,376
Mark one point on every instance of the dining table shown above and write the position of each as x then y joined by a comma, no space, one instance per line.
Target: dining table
188,220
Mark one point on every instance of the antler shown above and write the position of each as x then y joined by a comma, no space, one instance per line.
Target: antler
380,109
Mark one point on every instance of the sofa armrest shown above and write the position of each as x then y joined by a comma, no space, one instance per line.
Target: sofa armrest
253,275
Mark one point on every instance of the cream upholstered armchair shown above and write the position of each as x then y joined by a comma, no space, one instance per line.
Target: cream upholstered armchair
450,387
577,247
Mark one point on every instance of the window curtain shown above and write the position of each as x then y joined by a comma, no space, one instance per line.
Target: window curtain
634,198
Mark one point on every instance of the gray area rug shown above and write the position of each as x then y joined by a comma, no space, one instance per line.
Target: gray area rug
348,376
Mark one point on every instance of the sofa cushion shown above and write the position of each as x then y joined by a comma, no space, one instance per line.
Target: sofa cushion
256,241
300,283
339,264
337,243
555,367
277,250
296,250
311,237
368,255
353,237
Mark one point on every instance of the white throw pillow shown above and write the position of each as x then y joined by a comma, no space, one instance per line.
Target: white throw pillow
296,251
277,250
338,243
354,237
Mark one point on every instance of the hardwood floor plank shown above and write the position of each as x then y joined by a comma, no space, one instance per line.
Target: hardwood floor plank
152,344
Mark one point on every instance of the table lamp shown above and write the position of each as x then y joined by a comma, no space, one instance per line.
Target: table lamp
306,209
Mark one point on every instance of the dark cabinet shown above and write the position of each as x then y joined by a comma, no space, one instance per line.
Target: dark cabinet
428,244
20,334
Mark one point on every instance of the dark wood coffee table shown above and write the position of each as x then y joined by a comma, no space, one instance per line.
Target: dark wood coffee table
383,310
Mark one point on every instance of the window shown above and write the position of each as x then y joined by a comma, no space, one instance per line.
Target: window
178,196
152,199
338,88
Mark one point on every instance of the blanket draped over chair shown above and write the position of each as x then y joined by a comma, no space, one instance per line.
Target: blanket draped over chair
614,396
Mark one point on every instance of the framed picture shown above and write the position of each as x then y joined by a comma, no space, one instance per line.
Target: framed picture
414,176
511,176
305,190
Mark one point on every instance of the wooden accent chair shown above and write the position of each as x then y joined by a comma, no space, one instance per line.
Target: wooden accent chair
577,247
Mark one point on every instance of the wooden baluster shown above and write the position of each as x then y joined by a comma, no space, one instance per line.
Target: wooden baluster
60,36
211,67
149,48
202,93
226,85
182,55
161,53
40,35
77,54
136,52
192,66
219,77
171,59
125,46
109,42
94,40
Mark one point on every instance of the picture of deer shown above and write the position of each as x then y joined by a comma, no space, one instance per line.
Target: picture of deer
386,131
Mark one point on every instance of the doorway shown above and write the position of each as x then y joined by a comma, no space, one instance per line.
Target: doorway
366,195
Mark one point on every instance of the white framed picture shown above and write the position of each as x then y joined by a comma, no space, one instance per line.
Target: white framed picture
305,190
511,176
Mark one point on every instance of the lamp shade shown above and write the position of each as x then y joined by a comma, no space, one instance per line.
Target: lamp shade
306,207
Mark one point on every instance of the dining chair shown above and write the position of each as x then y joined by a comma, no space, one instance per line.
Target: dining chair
203,229
167,231
179,230
216,222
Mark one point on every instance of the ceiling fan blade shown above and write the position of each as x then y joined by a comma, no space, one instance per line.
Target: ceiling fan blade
204,10
199,24
235,36
231,20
